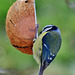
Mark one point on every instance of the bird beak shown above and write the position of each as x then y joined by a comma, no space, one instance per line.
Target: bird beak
40,32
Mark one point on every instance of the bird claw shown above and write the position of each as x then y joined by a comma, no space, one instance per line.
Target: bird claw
36,34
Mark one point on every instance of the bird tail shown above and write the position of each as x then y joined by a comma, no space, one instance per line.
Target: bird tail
41,71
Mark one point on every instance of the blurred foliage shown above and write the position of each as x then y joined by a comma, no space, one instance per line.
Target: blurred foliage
70,3
54,12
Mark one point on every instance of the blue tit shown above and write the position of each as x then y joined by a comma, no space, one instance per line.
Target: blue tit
46,47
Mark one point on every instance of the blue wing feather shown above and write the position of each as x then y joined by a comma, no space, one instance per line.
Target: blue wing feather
46,54
49,43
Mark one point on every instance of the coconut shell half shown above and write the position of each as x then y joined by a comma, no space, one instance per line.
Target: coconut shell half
20,25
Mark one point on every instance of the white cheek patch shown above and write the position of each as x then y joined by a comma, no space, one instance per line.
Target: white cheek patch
58,31
47,29
48,26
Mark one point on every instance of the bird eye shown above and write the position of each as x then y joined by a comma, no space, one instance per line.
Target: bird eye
54,28
26,1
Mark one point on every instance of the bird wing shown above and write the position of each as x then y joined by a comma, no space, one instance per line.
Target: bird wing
51,43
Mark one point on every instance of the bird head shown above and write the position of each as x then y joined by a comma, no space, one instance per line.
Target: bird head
49,28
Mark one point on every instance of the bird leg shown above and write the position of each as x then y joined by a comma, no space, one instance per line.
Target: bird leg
36,34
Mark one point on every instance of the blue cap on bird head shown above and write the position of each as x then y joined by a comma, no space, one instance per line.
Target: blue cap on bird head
50,28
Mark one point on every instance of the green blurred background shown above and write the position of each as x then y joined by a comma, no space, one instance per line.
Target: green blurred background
57,12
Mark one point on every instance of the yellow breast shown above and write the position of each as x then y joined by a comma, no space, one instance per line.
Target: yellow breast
37,48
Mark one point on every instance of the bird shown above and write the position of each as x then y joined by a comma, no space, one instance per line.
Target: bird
46,46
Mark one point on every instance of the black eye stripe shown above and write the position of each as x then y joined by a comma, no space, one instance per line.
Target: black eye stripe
54,28
49,28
